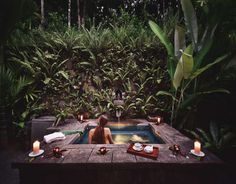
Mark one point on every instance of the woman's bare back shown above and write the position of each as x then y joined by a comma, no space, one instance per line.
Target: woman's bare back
107,136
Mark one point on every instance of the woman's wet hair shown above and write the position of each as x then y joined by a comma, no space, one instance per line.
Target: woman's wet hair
99,136
103,120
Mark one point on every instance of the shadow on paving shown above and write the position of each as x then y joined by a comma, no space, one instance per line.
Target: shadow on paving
7,174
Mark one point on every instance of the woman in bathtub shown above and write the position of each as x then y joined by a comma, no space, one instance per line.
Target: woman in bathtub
100,134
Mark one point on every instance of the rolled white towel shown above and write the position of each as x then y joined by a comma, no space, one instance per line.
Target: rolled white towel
54,137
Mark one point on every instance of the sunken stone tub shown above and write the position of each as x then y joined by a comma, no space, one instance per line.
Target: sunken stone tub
126,132
82,163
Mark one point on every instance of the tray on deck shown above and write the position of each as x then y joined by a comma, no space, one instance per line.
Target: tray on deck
142,153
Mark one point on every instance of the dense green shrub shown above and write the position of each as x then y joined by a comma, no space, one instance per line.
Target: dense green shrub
80,70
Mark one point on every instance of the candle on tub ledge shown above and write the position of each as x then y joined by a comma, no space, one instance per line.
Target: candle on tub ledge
36,147
197,147
158,119
81,118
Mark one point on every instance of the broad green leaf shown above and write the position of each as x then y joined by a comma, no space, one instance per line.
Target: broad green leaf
171,65
190,20
160,93
207,145
202,53
189,98
162,36
203,69
189,50
184,67
205,135
187,62
213,91
214,129
194,134
228,137
179,40
169,47
178,76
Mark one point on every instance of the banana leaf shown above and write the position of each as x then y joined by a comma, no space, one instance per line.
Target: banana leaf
206,137
194,134
187,64
190,98
179,40
184,67
178,76
166,42
228,137
159,93
214,130
203,69
190,20
202,53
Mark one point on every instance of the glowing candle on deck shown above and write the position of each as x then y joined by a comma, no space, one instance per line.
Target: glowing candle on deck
197,147
36,147
81,118
158,119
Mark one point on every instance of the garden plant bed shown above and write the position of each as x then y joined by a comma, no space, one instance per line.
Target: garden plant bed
82,163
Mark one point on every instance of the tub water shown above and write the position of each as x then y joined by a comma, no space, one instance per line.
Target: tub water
123,134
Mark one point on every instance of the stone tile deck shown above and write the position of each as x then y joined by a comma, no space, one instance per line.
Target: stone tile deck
117,162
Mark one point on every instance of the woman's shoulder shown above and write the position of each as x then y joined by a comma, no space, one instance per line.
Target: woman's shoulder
92,130
107,129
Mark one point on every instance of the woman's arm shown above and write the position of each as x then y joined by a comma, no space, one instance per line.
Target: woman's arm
110,137
90,136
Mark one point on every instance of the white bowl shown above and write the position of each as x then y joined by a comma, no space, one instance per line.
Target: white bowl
137,145
148,149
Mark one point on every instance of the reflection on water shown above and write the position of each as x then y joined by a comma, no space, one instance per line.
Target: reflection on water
124,133
119,125
126,138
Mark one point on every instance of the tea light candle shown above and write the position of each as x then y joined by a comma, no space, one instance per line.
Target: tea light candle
197,147
36,147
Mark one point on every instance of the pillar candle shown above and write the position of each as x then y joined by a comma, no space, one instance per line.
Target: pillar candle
158,119
36,147
197,147
81,117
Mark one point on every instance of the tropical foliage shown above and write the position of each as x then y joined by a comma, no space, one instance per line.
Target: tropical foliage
216,138
186,61
64,70
70,69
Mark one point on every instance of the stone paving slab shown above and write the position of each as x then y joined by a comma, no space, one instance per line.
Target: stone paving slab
88,153
78,156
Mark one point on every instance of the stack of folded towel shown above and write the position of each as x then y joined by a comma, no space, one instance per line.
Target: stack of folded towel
54,137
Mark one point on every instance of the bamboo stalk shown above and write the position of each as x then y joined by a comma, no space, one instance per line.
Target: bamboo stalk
69,14
42,13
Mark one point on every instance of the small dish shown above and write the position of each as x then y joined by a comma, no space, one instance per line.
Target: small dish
201,154
137,148
32,154
148,149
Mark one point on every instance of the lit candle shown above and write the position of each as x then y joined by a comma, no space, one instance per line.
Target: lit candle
158,120
197,147
81,118
36,147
